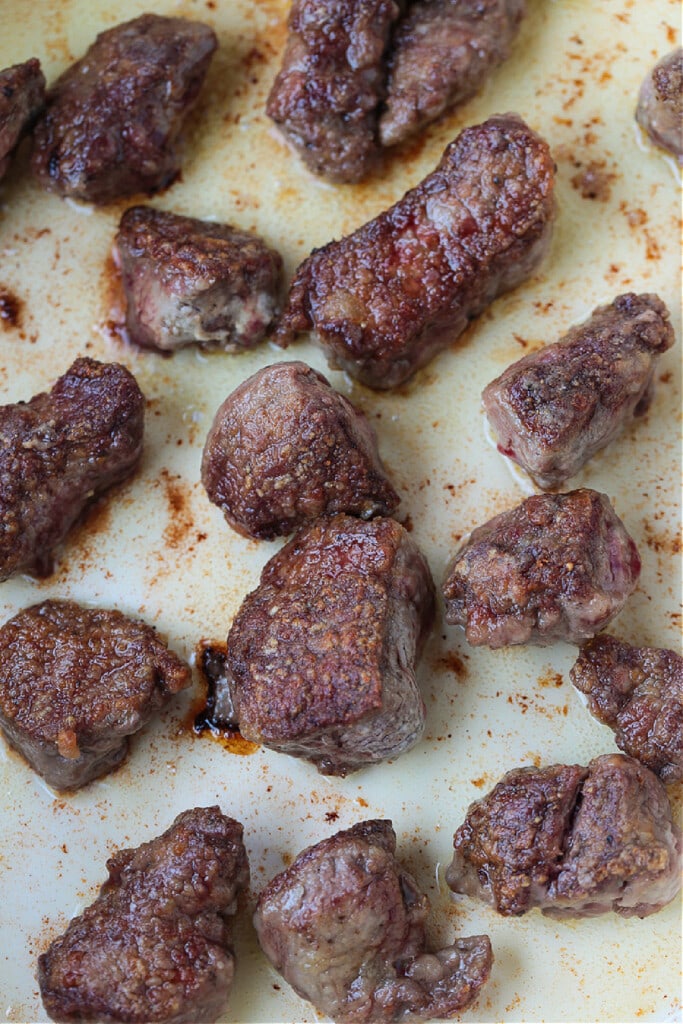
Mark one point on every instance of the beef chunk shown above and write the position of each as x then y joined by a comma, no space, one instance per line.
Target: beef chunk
285,448
441,53
384,300
637,692
321,656
556,567
189,281
345,926
113,119
554,409
22,94
58,452
76,683
325,98
573,841
660,103
156,945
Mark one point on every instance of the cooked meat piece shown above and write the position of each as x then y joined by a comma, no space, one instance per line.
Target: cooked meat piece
554,409
285,448
637,692
441,53
60,451
156,945
325,99
384,300
190,281
510,846
76,683
573,841
321,656
114,118
660,103
22,94
345,926
556,567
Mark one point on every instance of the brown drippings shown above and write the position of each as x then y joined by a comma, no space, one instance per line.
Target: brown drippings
452,662
212,713
11,309
551,678
180,519
113,323
593,181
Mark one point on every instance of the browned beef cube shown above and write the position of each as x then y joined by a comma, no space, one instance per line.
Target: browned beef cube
22,94
441,53
58,452
345,926
512,840
660,103
285,448
554,409
190,281
76,683
326,97
556,567
156,945
321,656
384,300
114,118
637,692
573,841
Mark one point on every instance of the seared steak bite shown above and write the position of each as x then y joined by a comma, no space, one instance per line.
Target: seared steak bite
321,656
76,683
660,103
58,452
556,567
156,945
22,94
573,841
637,692
325,98
554,409
114,118
384,300
285,448
190,281
441,54
345,926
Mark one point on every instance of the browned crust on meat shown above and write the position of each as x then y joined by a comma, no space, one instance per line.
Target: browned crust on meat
384,300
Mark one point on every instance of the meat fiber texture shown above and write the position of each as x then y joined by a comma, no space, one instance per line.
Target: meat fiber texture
113,120
638,693
441,54
357,78
556,567
384,300
573,841
325,98
156,945
76,683
285,448
660,104
189,281
345,926
554,409
22,94
322,655
60,451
